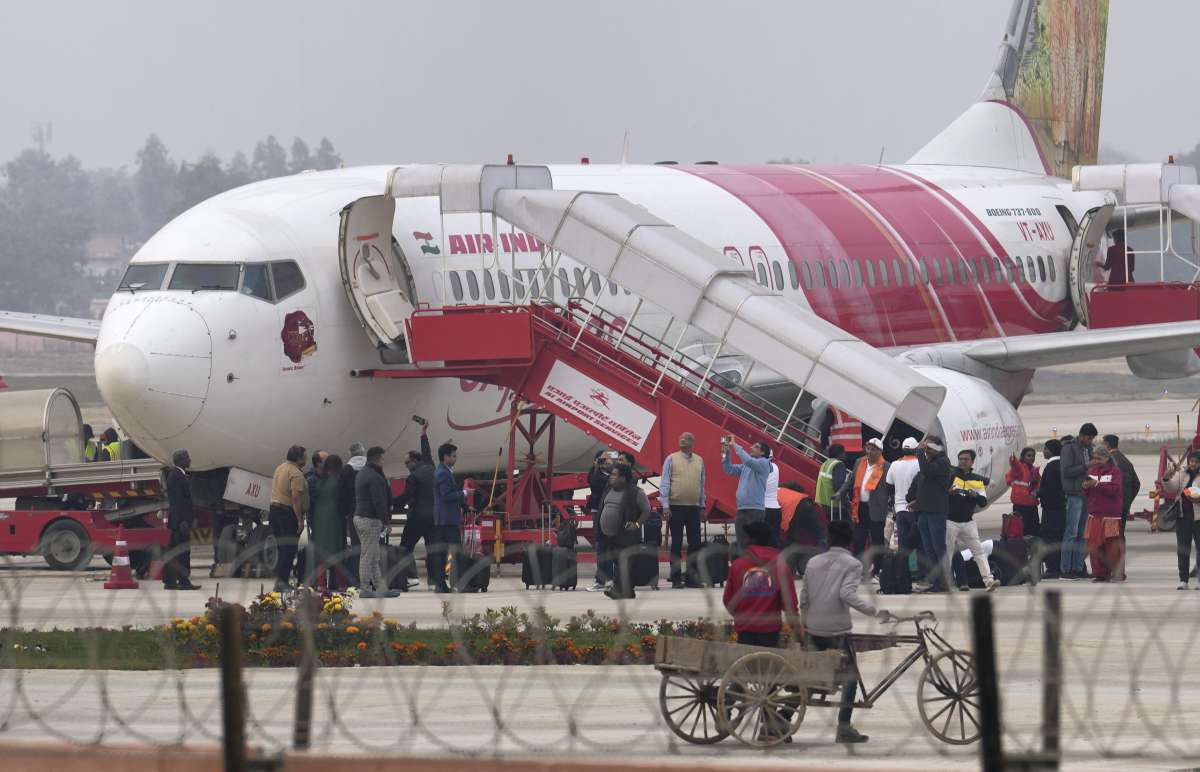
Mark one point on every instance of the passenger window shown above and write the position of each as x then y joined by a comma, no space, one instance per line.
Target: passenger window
762,274
143,276
1041,266
1050,265
963,271
833,277
981,270
883,274
845,274
505,289
287,278
818,269
793,274
937,272
998,268
912,273
489,286
256,281
777,274
857,269
456,285
949,271
898,272
870,274
1019,272
564,282
205,276
612,288
472,285
808,277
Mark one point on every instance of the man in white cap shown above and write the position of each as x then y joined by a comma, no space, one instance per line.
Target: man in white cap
900,476
869,502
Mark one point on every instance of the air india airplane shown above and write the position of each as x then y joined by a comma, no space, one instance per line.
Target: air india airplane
236,327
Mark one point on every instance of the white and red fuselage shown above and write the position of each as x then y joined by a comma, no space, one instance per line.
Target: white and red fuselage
899,256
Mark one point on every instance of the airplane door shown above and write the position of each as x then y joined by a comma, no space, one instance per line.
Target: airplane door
1084,251
375,274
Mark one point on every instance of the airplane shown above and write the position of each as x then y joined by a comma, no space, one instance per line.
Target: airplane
233,333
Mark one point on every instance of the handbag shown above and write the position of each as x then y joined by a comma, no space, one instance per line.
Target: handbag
1012,527
472,538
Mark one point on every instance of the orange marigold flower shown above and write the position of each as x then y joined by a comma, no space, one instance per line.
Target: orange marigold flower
395,646
288,626
352,630
362,645
253,637
266,627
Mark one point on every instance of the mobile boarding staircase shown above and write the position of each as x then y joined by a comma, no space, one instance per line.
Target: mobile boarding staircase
625,387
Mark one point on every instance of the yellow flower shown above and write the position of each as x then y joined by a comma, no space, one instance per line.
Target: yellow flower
210,629
323,626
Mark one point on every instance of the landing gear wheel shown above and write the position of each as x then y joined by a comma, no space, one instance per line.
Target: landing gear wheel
763,700
689,705
66,546
948,697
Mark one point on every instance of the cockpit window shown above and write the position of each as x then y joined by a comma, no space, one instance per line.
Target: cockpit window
205,276
288,279
143,276
256,282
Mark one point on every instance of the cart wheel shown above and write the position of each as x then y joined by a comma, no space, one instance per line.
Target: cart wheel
689,705
948,697
760,696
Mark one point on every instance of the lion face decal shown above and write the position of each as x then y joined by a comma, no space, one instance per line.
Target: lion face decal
299,336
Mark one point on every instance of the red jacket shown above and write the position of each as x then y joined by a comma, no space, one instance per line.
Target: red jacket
1105,499
1024,480
759,585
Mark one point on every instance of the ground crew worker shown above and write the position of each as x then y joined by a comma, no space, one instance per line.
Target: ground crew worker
177,568
682,497
110,445
91,448
289,497
799,515
830,481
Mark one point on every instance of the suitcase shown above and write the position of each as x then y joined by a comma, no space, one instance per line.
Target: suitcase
398,567
1012,527
643,565
567,533
966,572
564,568
1010,561
894,576
710,565
470,573
652,530
537,566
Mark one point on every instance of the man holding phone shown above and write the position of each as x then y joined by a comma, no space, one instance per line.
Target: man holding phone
752,476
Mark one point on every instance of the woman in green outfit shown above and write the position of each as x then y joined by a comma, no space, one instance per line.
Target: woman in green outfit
328,526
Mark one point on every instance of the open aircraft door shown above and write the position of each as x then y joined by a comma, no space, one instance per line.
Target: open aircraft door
375,274
1085,249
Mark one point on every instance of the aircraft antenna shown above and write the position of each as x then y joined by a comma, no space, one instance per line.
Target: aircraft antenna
880,161
625,149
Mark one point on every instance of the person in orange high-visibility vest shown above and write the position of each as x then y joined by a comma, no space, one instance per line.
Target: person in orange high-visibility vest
846,431
798,517
869,505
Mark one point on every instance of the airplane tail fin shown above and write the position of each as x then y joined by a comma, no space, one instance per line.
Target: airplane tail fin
1040,110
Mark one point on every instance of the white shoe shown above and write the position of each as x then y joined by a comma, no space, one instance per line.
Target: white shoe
598,587
991,585
1184,586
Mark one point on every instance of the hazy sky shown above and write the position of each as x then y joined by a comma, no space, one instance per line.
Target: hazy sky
550,81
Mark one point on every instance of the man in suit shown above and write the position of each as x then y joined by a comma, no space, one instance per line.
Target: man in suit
181,516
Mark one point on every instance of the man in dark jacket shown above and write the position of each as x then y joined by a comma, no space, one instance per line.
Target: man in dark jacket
1054,508
932,504
448,504
418,496
1073,468
372,512
181,516
346,502
1129,479
968,493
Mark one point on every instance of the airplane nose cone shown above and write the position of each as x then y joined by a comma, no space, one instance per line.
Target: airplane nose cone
153,366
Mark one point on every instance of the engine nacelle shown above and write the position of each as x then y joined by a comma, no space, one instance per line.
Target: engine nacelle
976,416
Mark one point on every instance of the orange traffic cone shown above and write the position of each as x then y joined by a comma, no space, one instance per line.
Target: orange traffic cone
121,578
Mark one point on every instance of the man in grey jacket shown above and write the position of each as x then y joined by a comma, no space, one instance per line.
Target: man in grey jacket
371,513
829,591
1073,465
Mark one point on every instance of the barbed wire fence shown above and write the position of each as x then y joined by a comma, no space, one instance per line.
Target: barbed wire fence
529,672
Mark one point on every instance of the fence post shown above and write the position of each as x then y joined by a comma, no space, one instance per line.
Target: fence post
990,748
308,607
233,694
1052,676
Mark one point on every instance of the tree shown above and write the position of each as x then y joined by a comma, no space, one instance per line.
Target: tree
238,171
269,159
301,157
201,181
114,205
327,157
156,185
45,221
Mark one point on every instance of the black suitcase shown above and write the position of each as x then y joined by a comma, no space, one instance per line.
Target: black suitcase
537,566
398,567
567,534
894,577
710,565
1010,562
470,573
564,568
652,530
643,565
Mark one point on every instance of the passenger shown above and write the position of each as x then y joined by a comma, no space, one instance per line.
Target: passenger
1023,479
91,448
799,516
932,501
1129,476
598,477
1104,490
371,515
418,496
899,479
831,481
870,502
682,497
289,498
752,476
829,591
181,517
305,564
968,494
622,515
449,500
328,527
1181,481
1054,509
1119,260
346,502
652,528
774,513
760,591
1076,458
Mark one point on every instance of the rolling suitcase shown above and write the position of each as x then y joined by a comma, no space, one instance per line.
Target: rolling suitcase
894,576
652,530
1010,562
564,568
470,573
537,566
643,565
710,565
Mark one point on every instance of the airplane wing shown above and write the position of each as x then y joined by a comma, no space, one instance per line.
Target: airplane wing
45,326
1026,352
